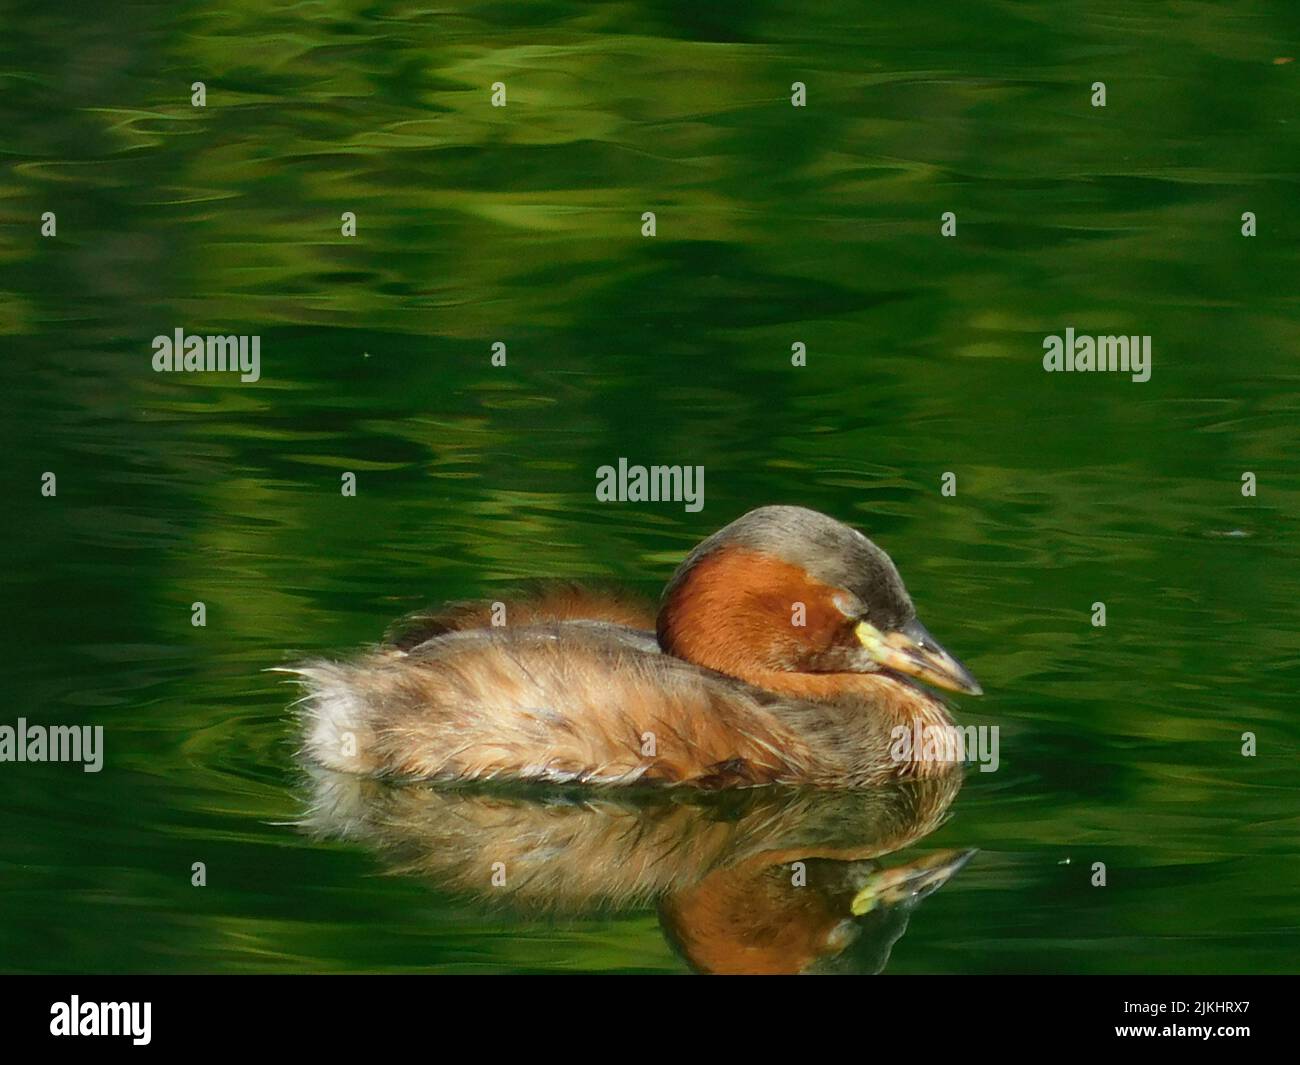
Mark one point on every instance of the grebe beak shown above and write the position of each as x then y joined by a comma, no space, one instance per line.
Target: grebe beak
912,650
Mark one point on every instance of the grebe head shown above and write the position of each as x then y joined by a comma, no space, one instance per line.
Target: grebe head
786,590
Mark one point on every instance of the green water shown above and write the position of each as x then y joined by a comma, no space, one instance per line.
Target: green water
775,225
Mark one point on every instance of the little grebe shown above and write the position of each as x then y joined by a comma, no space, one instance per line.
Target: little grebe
779,656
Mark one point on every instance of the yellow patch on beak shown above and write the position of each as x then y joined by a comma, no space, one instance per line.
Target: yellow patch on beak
864,901
871,639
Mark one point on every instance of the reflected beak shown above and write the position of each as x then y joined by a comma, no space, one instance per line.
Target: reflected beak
909,883
914,651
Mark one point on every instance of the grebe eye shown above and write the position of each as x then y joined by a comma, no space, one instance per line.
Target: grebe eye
849,605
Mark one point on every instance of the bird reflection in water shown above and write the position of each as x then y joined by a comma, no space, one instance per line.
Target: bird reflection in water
757,881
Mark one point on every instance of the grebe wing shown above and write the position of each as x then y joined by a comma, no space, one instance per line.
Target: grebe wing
528,603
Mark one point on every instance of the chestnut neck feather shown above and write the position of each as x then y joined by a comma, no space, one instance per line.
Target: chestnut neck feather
734,612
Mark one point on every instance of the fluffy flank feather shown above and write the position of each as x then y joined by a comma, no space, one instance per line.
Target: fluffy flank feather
336,717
